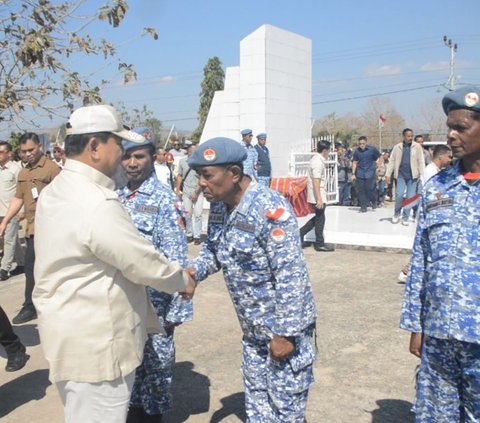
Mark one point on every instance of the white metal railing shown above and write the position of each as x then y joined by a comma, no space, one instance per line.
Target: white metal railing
299,167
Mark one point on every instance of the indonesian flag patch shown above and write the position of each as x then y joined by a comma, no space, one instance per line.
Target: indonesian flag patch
279,214
278,235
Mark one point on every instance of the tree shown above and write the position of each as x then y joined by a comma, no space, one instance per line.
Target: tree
14,139
395,123
213,80
432,120
140,117
39,39
343,128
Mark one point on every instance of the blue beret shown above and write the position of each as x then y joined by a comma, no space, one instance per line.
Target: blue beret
217,151
146,133
246,132
262,135
467,97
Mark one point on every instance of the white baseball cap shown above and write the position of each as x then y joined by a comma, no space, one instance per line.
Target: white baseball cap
101,118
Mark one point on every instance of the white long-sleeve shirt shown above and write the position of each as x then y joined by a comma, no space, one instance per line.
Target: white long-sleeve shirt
91,270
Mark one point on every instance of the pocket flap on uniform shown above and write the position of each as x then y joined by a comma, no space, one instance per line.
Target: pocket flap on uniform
304,355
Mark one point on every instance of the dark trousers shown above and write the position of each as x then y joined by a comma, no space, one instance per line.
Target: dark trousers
344,189
29,278
366,192
317,222
8,339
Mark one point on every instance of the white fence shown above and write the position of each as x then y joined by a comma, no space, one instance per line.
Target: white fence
299,167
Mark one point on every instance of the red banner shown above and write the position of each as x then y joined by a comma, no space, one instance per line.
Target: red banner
295,191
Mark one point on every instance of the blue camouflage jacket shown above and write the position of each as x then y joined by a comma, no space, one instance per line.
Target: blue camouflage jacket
249,164
258,247
442,293
157,214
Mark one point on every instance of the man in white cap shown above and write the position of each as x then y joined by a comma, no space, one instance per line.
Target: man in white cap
91,272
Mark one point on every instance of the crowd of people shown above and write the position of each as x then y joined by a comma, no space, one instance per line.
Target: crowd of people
119,253
368,178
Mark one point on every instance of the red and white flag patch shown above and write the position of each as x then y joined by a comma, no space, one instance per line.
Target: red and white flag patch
279,214
278,235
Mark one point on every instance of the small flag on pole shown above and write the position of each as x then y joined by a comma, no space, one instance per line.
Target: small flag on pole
381,120
411,202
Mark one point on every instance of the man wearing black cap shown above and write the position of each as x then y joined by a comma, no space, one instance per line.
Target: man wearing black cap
441,306
253,236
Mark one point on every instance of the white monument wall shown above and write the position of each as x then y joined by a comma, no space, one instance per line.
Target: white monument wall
269,92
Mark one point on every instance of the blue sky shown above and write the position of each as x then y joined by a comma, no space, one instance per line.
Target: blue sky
359,49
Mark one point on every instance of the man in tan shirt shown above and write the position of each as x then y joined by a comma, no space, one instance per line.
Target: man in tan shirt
317,197
93,309
37,174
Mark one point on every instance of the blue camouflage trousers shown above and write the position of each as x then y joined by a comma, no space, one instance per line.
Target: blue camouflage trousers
153,378
448,389
277,391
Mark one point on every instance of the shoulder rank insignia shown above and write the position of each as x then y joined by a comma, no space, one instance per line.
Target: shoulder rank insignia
279,214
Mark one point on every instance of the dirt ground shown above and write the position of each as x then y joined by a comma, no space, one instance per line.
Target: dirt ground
363,372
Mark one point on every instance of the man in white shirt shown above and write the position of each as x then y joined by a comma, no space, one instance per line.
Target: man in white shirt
162,170
317,197
442,157
91,271
9,171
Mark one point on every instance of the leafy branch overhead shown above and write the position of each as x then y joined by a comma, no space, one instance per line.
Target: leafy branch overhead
41,41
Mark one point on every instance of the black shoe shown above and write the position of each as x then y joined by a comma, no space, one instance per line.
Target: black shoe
197,241
138,415
323,248
17,271
25,315
135,415
17,361
4,275
306,244
189,239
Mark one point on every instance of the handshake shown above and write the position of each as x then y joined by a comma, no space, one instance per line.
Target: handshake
189,275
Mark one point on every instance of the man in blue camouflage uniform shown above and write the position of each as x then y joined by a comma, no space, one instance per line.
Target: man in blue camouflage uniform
442,296
253,237
156,212
251,160
264,164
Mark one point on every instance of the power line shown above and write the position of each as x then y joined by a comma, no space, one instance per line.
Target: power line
376,47
379,88
375,95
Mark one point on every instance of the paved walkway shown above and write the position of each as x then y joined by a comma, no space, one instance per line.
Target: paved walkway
346,227
364,373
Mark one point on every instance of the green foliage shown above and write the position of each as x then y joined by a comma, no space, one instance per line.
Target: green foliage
139,118
14,139
38,39
213,80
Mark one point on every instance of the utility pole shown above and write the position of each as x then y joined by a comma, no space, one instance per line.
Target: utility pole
452,79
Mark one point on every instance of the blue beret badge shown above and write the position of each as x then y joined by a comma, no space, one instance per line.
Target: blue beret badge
471,99
209,155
